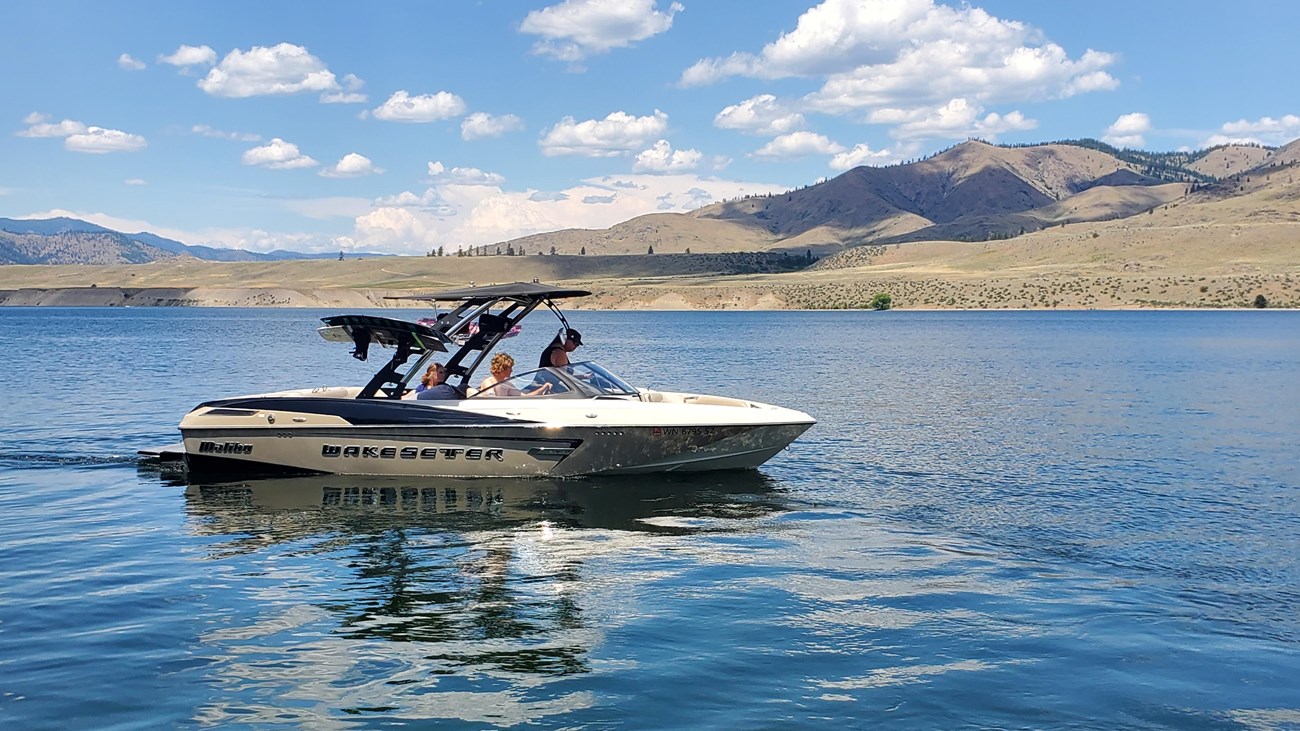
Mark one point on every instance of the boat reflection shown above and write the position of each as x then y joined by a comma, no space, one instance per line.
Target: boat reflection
290,508
445,578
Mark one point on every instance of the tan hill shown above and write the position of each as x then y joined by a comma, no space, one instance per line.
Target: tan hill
1101,203
664,232
1234,228
1288,154
1273,177
1221,162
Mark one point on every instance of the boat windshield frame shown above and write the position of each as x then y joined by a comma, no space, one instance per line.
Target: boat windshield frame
583,380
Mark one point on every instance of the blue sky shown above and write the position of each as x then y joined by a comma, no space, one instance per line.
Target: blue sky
405,126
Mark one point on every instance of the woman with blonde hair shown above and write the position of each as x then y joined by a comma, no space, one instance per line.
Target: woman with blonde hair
502,368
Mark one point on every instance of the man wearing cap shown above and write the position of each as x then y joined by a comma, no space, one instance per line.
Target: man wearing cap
556,354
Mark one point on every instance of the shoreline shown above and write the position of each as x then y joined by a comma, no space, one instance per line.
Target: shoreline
925,294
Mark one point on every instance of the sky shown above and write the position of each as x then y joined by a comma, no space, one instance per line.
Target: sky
403,127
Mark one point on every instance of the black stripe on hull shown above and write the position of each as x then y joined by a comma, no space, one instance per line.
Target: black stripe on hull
494,437
206,466
229,466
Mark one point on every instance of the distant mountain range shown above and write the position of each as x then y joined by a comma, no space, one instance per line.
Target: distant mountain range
73,241
971,192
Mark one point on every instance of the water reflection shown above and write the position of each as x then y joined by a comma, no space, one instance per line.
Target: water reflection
446,595
291,508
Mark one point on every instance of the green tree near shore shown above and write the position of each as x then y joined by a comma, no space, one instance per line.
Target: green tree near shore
882,301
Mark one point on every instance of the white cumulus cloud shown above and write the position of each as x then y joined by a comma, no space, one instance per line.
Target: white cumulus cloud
481,124
190,56
352,165
957,119
278,155
39,127
576,29
453,215
798,144
913,55
861,154
842,36
1128,130
402,107
396,229
932,74
462,176
617,134
262,71
1269,131
79,137
98,140
662,158
125,61
762,115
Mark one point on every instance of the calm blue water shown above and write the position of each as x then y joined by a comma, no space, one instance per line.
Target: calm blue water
1002,520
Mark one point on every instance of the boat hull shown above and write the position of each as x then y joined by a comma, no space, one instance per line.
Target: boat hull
492,451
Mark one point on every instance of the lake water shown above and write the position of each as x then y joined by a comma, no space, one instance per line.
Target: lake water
1002,520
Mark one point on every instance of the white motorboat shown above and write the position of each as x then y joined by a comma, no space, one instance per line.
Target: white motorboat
588,421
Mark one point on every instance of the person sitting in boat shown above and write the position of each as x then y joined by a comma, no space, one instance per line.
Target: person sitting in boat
497,384
433,384
556,354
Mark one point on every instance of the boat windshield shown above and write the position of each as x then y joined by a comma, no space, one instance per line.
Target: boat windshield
578,380
598,379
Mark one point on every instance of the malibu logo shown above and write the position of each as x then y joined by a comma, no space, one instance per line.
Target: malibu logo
359,452
225,448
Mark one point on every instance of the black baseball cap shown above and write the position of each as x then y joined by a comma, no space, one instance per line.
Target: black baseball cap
574,335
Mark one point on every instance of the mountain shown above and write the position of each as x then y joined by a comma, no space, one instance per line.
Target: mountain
92,236
972,182
971,192
65,240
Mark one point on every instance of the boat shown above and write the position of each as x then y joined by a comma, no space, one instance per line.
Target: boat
585,421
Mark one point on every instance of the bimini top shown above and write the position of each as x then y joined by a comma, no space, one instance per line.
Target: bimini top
362,330
516,290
